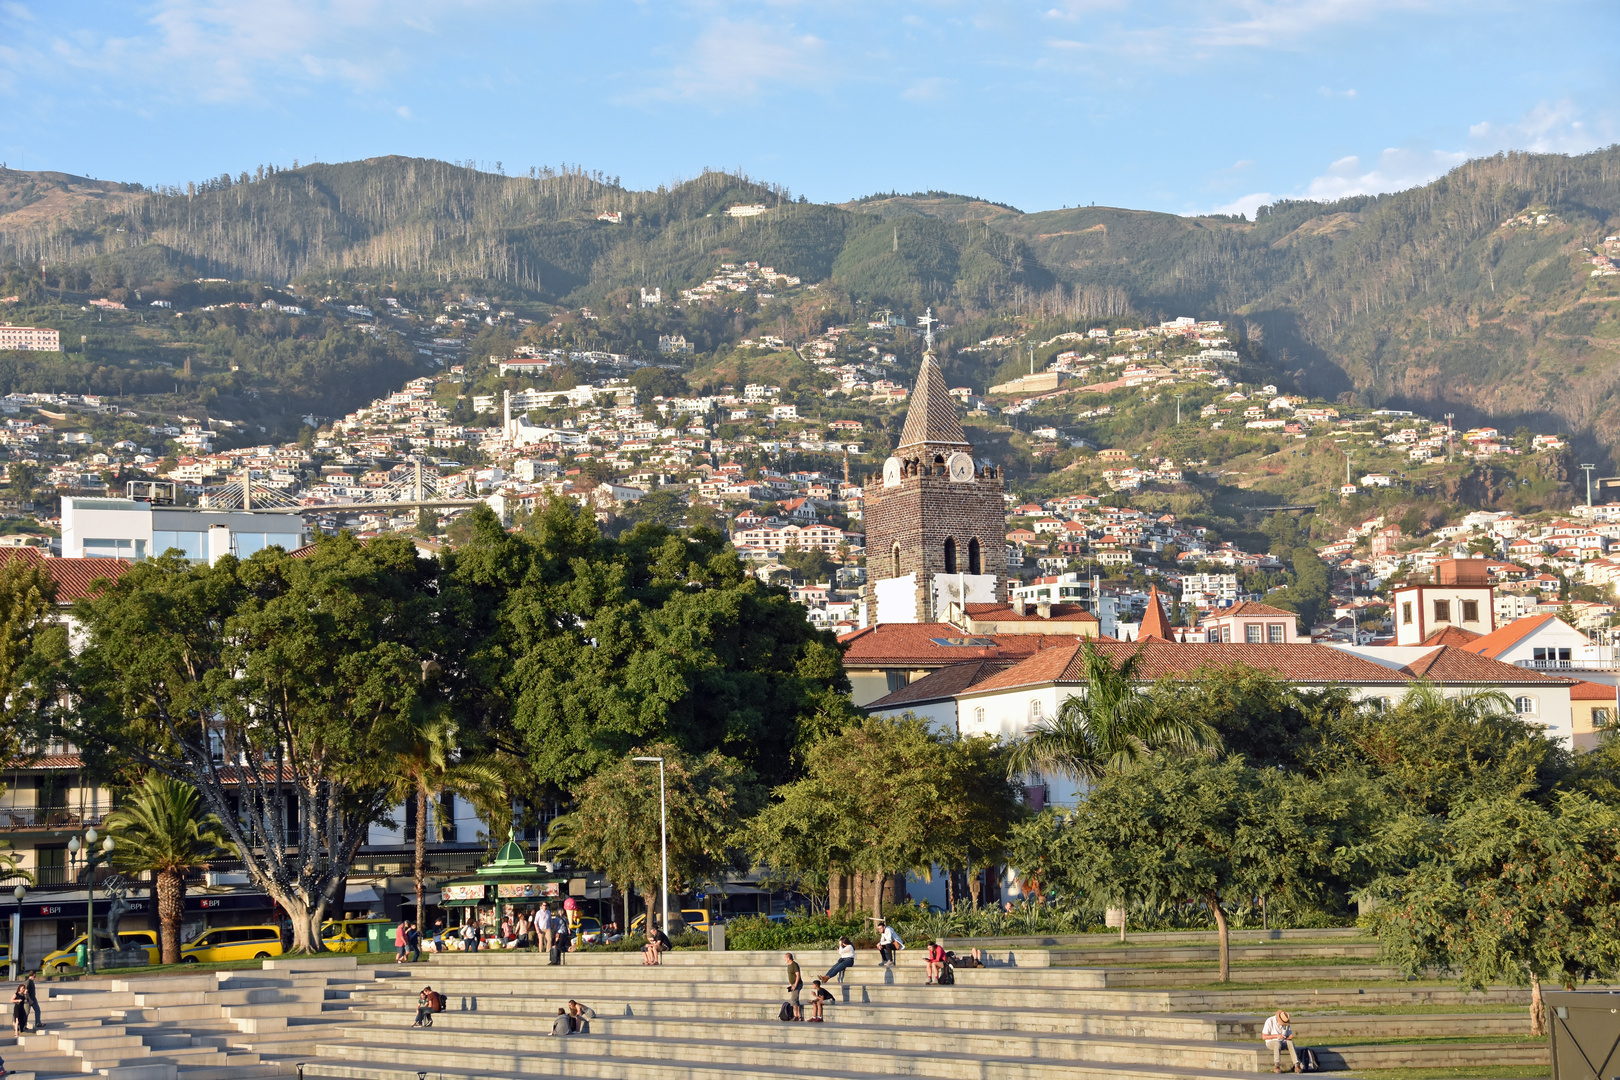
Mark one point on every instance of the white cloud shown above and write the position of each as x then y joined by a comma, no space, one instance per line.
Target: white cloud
929,89
404,112
1247,204
1549,128
732,61
1396,169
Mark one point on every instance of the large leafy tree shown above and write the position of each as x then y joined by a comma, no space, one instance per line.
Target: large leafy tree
1109,724
33,651
616,824
886,795
163,830
281,688
583,648
1506,890
429,764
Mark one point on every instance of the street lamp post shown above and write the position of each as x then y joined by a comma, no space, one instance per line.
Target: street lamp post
663,835
16,934
92,859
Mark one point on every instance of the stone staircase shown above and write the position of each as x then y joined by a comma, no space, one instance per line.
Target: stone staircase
228,1025
708,1016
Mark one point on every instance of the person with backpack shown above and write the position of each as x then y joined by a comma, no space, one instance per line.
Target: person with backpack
429,1001
819,996
1279,1033
795,982
935,956
888,943
846,960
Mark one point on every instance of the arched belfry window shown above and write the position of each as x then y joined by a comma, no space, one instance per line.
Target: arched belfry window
973,556
950,555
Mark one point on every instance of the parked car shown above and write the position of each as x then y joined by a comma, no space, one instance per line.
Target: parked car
233,943
66,957
350,935
695,919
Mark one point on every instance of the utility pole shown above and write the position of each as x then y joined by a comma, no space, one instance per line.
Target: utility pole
1178,408
1588,470
1449,418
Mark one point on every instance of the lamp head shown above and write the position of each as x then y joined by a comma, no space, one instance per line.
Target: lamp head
647,759
19,892
73,844
90,836
107,845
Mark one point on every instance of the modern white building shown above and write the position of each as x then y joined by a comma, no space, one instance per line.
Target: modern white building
100,528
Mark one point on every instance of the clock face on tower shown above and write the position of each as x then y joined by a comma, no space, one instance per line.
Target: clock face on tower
891,473
960,467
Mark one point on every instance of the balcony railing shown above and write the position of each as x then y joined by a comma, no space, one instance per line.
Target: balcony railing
50,875
1546,665
42,817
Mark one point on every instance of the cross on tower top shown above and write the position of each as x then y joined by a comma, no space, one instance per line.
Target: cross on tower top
927,321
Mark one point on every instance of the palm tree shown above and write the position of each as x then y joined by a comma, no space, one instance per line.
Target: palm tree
1109,725
428,766
162,830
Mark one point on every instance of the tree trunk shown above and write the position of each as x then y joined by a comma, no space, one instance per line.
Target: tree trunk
625,929
877,896
171,911
1538,1008
1225,935
421,857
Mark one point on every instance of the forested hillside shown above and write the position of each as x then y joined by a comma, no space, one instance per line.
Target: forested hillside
1474,293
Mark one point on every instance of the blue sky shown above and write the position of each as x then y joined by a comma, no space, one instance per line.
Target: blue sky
1177,106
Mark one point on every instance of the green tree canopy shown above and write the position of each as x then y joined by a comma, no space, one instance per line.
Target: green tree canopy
582,648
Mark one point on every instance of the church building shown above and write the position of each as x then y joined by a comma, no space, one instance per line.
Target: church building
936,521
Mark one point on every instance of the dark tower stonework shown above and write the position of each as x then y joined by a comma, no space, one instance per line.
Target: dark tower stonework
936,522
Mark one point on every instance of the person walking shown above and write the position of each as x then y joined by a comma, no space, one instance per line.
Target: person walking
19,1011
819,996
399,941
795,983
33,1000
845,961
1279,1033
469,935
888,943
413,942
542,924
438,935
581,1015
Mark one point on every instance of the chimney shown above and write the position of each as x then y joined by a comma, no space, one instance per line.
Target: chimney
1043,608
1018,605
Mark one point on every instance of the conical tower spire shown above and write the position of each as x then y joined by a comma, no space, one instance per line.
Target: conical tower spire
931,420
1155,623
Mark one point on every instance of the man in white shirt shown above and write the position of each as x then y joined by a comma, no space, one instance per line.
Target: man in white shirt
1278,1033
542,927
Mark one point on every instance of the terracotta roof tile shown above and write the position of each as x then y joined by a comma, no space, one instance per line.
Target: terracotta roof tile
1590,691
1154,621
75,578
1297,662
1253,607
1451,635
1461,666
943,684
1503,638
936,644
1007,613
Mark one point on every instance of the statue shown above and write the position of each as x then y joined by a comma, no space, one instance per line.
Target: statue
117,893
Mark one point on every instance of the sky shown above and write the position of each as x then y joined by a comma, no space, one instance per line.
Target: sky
1185,106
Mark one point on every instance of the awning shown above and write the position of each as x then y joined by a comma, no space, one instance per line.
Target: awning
357,895
461,903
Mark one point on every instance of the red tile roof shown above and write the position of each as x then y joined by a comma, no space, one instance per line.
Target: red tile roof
943,684
1008,613
1154,621
1461,666
1591,691
1253,608
1503,638
919,645
1297,662
1450,635
75,578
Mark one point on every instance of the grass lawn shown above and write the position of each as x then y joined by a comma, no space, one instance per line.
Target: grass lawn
1272,965
1409,1040
1483,1008
1304,984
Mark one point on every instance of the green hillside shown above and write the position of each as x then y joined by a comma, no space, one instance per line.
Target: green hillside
1473,294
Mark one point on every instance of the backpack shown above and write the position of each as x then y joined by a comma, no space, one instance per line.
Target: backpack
946,977
787,1011
1308,1061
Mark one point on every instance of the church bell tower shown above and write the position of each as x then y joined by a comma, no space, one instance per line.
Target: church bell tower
936,522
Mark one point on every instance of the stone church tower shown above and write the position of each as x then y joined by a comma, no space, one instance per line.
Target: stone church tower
936,523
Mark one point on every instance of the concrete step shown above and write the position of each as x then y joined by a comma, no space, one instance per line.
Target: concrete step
578,1057
154,1071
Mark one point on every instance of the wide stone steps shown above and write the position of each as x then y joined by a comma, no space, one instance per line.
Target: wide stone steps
614,1059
